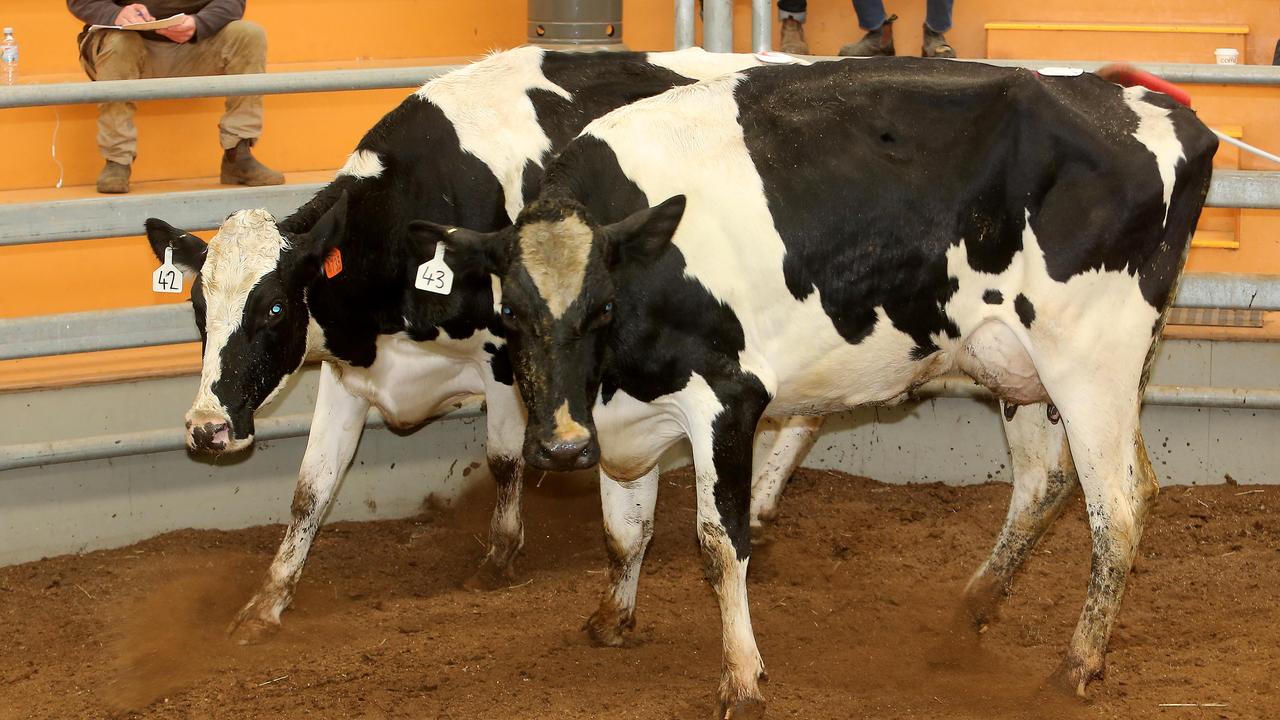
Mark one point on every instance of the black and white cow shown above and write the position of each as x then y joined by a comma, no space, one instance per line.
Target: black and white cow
467,148
807,239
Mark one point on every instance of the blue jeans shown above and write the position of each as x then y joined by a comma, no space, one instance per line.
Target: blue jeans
871,13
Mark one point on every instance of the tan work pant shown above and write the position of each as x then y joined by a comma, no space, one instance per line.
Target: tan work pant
240,47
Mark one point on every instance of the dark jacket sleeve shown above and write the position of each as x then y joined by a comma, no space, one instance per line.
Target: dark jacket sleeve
96,12
215,16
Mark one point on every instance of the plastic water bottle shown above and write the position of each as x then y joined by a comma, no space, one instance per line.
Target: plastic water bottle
9,57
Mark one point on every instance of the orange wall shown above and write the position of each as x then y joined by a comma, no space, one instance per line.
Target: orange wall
306,30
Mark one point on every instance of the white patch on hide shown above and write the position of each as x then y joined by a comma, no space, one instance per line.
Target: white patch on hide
363,164
1156,133
489,106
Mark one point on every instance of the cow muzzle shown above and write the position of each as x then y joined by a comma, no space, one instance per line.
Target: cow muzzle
212,434
563,453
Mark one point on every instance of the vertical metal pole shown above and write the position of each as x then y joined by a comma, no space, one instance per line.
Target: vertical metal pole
684,24
761,25
717,25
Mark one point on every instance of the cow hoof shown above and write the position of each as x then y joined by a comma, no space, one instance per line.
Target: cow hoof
608,625
979,604
760,534
490,576
742,709
252,630
1074,675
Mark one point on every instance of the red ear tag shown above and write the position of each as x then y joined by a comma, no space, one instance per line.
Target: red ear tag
333,263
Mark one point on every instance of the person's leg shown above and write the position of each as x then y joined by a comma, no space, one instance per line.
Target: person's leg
791,15
879,27
115,55
937,21
870,13
793,10
239,48
938,15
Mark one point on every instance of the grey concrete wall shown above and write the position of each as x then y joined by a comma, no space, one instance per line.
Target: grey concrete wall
961,441
88,505
80,506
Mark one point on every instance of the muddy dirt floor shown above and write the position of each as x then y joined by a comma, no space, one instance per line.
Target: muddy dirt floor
851,602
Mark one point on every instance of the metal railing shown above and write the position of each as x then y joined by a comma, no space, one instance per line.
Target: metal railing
123,215
103,217
181,88
101,447
717,25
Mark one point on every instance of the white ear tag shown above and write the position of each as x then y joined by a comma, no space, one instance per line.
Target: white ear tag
433,275
167,278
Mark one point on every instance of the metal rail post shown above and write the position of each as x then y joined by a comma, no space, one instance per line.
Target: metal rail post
761,25
684,24
565,24
717,25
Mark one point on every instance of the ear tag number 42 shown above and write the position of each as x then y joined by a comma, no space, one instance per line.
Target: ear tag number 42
433,275
167,278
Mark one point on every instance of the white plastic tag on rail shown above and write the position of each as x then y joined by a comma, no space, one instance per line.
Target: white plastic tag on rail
433,275
167,278
1061,71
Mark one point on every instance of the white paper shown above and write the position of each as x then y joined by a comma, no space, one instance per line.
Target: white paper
149,25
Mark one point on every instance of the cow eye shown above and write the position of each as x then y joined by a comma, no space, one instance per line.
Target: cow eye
507,312
276,309
602,316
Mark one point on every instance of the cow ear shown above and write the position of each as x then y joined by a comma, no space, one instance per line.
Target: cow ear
188,250
645,233
467,250
311,247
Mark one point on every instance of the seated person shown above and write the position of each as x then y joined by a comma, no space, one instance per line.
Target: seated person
212,40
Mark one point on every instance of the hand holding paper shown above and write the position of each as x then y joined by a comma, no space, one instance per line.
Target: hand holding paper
151,24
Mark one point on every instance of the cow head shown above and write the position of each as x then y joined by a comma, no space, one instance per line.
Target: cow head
249,298
558,305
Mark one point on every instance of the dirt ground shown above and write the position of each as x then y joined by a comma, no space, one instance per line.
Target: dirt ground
851,604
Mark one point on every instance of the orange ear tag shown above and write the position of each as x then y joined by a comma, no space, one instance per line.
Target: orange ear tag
333,263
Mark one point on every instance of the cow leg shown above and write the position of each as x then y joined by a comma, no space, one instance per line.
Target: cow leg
795,438
1119,485
722,444
1043,479
628,527
506,527
504,423
335,432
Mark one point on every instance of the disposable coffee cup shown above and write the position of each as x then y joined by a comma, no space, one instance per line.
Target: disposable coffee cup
1227,56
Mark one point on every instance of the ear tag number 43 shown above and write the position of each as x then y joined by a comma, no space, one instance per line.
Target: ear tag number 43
433,275
167,278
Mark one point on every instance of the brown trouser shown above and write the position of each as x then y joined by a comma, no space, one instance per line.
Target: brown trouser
240,47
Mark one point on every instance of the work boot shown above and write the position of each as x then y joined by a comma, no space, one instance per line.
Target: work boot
793,37
114,178
878,42
240,167
935,45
